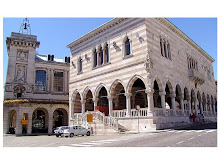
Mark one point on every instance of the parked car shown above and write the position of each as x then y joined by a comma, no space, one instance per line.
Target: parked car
59,130
76,130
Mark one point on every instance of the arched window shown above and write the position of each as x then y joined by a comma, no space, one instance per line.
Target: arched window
127,47
94,58
80,65
40,80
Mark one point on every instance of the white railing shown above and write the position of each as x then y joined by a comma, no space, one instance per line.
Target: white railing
179,112
118,113
186,112
158,111
106,120
169,112
142,112
111,121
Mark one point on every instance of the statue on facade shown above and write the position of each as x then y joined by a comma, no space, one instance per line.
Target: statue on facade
20,75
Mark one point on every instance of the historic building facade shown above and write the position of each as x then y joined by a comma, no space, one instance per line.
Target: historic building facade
147,62
36,88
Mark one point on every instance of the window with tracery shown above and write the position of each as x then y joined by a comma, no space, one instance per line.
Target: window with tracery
165,48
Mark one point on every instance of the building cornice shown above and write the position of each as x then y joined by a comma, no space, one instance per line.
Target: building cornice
96,31
177,31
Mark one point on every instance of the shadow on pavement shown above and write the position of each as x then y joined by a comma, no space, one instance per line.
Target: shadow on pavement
199,127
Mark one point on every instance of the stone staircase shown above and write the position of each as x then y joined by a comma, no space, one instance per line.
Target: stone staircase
101,124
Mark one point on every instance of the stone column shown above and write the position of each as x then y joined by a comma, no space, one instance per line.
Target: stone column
50,122
173,103
83,104
214,114
18,130
29,126
163,103
95,101
189,105
116,101
104,56
210,108
133,102
201,107
128,104
150,102
98,58
206,108
196,107
182,105
110,105
5,121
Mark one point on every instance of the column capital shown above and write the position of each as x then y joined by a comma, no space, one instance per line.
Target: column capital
172,95
149,91
128,95
110,97
95,99
162,93
83,101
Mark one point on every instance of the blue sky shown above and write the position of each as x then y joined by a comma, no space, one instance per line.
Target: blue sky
55,34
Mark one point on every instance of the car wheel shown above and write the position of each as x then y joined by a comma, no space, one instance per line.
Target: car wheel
66,136
71,135
88,133
57,135
82,135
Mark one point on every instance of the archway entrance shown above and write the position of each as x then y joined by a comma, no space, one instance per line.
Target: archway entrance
89,105
139,97
40,121
12,121
103,101
77,104
59,118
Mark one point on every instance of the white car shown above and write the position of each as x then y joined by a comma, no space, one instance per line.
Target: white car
59,130
76,130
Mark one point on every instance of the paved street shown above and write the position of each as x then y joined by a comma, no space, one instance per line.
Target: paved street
197,136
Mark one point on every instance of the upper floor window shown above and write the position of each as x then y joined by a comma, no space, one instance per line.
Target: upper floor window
165,48
127,46
79,65
94,58
58,82
192,63
101,56
106,55
40,80
209,74
161,47
101,60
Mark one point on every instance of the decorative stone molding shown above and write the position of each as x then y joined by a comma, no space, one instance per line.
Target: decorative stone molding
8,88
22,55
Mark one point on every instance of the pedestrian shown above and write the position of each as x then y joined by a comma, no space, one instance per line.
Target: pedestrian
202,119
199,118
190,117
193,118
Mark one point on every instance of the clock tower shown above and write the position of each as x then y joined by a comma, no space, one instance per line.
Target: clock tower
21,49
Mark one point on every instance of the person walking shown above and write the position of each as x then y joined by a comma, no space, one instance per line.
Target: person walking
194,118
199,118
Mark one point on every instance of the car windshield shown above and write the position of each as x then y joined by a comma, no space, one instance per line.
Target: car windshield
57,128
